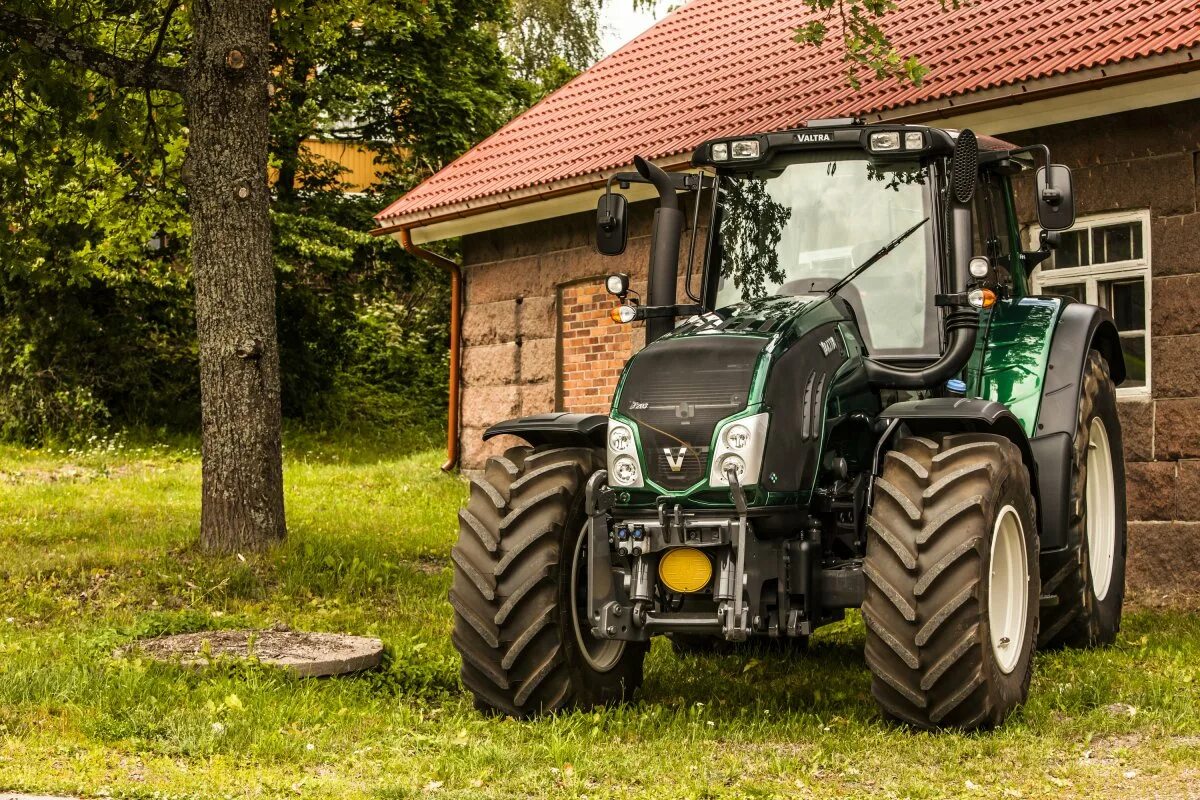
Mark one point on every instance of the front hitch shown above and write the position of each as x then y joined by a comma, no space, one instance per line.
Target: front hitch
603,608
735,623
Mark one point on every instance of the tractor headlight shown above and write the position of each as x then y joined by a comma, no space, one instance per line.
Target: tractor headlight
733,463
620,439
737,436
740,445
746,148
623,467
884,141
625,471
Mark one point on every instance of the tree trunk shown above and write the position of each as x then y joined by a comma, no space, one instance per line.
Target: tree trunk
226,176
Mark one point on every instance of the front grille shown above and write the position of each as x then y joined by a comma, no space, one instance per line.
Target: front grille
677,390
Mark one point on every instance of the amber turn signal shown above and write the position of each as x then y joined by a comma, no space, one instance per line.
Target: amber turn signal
623,314
982,298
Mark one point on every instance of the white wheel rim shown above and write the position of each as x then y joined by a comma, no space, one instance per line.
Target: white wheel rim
1008,590
1101,509
600,654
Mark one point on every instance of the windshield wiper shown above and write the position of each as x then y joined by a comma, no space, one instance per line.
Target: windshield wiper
880,253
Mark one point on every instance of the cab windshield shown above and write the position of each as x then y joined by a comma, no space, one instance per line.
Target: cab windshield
798,226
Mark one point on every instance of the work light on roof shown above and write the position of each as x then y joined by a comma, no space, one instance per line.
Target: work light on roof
745,148
720,152
885,141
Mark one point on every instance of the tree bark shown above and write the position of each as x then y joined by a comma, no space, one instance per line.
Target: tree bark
226,177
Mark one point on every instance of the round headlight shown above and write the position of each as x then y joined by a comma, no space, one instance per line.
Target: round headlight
625,471
617,284
619,439
979,267
737,436
735,463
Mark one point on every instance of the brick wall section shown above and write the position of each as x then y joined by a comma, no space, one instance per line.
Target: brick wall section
1149,159
592,348
511,320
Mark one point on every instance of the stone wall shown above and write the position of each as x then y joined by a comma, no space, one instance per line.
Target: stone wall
1137,160
512,323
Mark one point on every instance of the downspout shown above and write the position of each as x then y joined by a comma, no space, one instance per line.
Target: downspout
452,425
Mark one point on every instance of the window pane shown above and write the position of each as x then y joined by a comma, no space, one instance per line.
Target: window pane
1126,301
1074,290
1072,251
1134,348
1121,242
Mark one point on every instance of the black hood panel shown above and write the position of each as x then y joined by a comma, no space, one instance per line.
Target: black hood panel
677,390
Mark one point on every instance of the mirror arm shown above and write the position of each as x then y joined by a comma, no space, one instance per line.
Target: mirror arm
1045,153
610,221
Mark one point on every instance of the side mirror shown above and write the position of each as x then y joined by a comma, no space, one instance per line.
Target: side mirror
1055,198
612,224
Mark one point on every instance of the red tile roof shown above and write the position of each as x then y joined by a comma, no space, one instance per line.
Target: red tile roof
720,68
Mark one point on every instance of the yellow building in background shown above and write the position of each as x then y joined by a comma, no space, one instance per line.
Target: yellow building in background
357,159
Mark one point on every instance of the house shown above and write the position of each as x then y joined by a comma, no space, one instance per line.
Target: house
1112,86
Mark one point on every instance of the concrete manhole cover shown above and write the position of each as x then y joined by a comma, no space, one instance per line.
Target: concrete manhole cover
307,654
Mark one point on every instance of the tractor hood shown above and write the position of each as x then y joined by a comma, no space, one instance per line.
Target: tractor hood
777,356
763,317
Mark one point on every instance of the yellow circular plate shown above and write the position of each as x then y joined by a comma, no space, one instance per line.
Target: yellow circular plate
685,569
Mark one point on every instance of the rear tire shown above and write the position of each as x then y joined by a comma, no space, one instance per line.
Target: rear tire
516,565
1088,578
952,582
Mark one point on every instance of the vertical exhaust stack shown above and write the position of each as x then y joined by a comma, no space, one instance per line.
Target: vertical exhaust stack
665,238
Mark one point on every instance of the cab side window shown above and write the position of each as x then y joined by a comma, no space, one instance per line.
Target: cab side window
992,236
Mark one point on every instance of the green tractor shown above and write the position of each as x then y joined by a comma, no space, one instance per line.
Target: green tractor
861,406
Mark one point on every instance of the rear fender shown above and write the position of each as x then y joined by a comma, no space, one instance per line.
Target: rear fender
582,430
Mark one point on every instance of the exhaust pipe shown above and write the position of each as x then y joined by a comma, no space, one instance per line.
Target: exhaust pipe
665,238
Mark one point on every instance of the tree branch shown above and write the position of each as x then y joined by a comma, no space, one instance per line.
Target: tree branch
162,33
55,42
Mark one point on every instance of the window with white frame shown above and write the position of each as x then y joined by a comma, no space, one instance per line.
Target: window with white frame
1105,260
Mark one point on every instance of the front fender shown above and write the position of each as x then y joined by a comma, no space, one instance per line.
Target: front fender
1080,328
558,428
962,414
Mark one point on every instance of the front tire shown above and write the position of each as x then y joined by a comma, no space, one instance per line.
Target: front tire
1088,578
951,604
518,564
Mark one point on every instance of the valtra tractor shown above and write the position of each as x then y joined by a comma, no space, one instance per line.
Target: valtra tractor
860,405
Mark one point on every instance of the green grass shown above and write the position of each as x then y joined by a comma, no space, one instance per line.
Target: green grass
97,550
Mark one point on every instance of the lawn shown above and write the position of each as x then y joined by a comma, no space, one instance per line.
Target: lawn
97,550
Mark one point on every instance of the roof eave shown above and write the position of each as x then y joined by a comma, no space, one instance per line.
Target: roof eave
955,107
